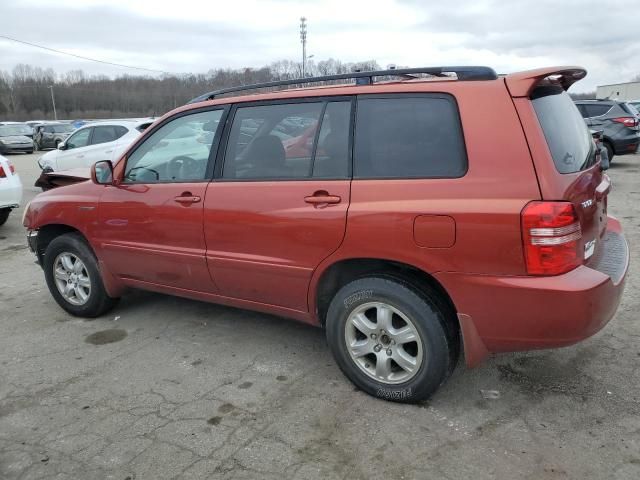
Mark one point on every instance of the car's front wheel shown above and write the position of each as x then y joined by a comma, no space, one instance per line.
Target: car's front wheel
73,277
390,339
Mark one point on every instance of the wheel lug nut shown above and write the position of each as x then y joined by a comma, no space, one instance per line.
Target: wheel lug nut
377,348
393,342
389,352
373,336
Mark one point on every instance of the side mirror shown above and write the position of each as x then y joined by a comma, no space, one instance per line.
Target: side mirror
102,172
62,146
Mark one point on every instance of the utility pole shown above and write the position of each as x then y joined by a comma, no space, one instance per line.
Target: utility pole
303,39
53,101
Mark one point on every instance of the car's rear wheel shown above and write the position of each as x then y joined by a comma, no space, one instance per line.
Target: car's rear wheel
389,339
609,151
4,215
73,277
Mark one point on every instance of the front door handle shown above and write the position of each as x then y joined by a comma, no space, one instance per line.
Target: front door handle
322,198
186,198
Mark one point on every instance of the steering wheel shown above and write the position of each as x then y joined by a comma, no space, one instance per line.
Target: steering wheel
183,168
141,178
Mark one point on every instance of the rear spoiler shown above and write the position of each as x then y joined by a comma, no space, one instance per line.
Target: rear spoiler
521,84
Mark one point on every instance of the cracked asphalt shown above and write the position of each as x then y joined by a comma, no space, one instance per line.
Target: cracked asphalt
165,388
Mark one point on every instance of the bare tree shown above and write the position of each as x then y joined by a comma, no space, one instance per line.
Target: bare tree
25,94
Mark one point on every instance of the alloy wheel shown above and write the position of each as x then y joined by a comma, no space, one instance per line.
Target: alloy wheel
72,278
384,343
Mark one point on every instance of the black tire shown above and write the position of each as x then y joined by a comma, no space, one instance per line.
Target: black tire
428,316
30,152
4,215
57,142
609,148
98,301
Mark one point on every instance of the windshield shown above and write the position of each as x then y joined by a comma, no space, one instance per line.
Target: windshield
9,130
63,128
567,135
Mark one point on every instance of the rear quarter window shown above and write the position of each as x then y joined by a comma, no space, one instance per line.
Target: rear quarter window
565,131
409,137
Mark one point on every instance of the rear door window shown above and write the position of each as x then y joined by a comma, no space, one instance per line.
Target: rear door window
595,110
289,141
409,137
567,135
107,133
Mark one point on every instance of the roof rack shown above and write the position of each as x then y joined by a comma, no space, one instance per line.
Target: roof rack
364,78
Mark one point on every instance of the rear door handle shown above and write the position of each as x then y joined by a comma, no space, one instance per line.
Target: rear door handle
322,198
187,198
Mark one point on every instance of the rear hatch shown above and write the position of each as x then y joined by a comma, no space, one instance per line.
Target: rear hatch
577,176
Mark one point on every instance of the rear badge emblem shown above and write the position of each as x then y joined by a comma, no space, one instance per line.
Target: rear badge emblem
589,248
587,203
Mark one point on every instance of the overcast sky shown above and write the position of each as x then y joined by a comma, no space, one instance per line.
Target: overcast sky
196,36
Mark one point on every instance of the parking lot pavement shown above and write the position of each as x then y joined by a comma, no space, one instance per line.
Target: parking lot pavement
169,388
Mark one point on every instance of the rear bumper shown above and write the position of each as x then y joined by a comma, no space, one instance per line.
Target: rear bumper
626,145
18,147
503,314
10,192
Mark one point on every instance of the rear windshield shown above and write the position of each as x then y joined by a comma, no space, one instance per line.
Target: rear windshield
567,135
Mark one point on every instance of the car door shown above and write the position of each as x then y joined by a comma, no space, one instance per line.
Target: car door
272,215
45,137
150,223
103,143
596,115
72,156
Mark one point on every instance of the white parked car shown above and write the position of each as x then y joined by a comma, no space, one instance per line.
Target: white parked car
93,142
10,189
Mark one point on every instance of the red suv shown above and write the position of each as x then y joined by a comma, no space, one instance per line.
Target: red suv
415,219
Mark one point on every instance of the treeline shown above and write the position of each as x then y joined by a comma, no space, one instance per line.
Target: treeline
26,92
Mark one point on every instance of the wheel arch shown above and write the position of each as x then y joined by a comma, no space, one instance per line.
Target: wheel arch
333,276
47,233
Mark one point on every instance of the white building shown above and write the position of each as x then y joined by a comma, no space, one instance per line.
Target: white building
619,91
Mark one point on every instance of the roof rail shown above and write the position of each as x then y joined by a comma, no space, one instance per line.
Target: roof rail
363,78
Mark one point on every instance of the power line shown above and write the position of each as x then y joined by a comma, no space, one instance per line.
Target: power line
82,57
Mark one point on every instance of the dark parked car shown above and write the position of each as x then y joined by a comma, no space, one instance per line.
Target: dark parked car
14,138
50,135
619,122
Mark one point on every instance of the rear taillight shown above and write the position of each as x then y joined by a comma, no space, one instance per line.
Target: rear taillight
626,121
551,233
3,174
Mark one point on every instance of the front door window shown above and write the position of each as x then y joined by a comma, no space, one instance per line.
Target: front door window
177,152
